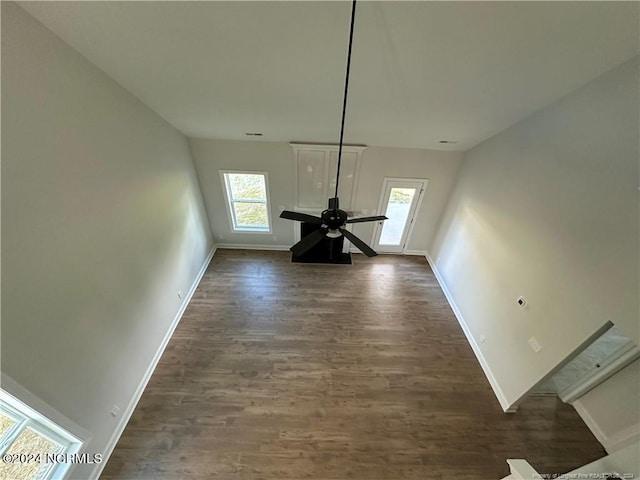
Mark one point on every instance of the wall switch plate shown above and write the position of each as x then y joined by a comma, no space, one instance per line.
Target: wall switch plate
179,293
534,344
521,301
482,338
115,410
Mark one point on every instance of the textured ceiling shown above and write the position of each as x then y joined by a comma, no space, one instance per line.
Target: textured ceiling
422,71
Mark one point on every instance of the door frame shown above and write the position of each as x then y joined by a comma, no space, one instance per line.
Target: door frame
381,203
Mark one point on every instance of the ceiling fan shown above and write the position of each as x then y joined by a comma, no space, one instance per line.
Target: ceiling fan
333,220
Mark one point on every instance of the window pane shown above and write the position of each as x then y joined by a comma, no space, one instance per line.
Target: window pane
247,186
251,215
397,212
6,423
29,442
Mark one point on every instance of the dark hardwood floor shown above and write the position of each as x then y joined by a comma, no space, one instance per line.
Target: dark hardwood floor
292,371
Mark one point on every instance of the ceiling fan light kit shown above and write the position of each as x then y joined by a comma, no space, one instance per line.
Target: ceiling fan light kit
333,220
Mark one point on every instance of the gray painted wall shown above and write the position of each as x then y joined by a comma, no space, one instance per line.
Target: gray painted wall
211,156
548,209
102,223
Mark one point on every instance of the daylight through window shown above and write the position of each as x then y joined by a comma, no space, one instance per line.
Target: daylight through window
31,445
248,203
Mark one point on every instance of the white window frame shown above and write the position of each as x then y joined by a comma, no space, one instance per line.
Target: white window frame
27,417
229,202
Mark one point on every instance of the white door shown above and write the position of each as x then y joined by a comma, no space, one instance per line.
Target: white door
399,202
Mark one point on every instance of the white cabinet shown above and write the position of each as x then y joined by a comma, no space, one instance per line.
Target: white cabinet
311,178
315,175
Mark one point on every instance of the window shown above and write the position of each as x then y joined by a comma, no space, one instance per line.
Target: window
32,447
247,201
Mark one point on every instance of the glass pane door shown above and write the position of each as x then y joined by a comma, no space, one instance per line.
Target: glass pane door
399,202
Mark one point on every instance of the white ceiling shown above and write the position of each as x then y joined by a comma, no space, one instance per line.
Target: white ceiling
421,72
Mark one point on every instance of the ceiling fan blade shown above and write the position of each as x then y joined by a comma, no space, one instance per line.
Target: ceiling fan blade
364,248
300,217
334,203
367,219
308,242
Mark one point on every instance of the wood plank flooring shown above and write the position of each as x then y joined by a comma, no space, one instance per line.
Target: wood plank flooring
290,371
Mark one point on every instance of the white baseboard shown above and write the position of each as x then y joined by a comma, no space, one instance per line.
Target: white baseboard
420,253
243,246
504,403
423,253
623,438
590,422
619,440
128,412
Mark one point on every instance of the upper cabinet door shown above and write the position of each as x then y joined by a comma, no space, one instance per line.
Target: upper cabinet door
311,178
315,175
348,169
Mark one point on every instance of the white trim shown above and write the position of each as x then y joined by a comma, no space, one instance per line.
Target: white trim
13,388
246,246
504,403
521,469
422,253
332,147
618,440
620,359
410,253
623,438
52,416
128,412
34,419
590,422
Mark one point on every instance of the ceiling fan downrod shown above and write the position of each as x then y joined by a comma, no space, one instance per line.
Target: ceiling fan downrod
332,222
344,99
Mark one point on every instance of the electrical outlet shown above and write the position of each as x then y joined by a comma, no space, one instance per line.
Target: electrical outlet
534,344
482,338
180,294
115,410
